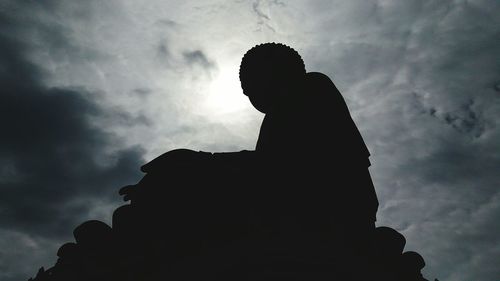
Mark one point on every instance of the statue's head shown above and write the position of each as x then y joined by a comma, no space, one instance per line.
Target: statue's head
268,73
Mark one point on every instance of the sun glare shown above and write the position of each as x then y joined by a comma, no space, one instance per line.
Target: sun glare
225,94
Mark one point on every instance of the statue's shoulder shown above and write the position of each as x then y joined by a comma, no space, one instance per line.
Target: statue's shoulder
318,76
323,88
318,79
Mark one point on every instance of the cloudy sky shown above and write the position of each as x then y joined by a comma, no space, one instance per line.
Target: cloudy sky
90,90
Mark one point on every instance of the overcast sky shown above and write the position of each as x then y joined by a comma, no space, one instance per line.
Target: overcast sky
90,90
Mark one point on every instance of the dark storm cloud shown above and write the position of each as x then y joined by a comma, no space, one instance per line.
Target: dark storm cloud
52,158
50,151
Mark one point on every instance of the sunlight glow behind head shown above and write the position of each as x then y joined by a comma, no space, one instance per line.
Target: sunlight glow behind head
224,93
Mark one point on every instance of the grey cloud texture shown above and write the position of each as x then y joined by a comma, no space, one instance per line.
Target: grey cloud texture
57,168
421,89
197,57
421,79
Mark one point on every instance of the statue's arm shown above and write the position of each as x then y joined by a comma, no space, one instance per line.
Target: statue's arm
186,157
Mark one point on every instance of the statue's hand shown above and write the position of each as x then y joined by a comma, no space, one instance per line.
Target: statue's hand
176,158
128,191
169,161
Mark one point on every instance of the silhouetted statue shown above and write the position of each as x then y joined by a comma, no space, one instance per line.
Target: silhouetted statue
308,136
312,153
301,206
308,143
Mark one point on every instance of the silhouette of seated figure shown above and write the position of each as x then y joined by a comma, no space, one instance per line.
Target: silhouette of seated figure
300,207
308,174
313,151
307,141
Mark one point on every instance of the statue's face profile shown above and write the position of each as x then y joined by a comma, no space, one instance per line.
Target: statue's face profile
265,91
